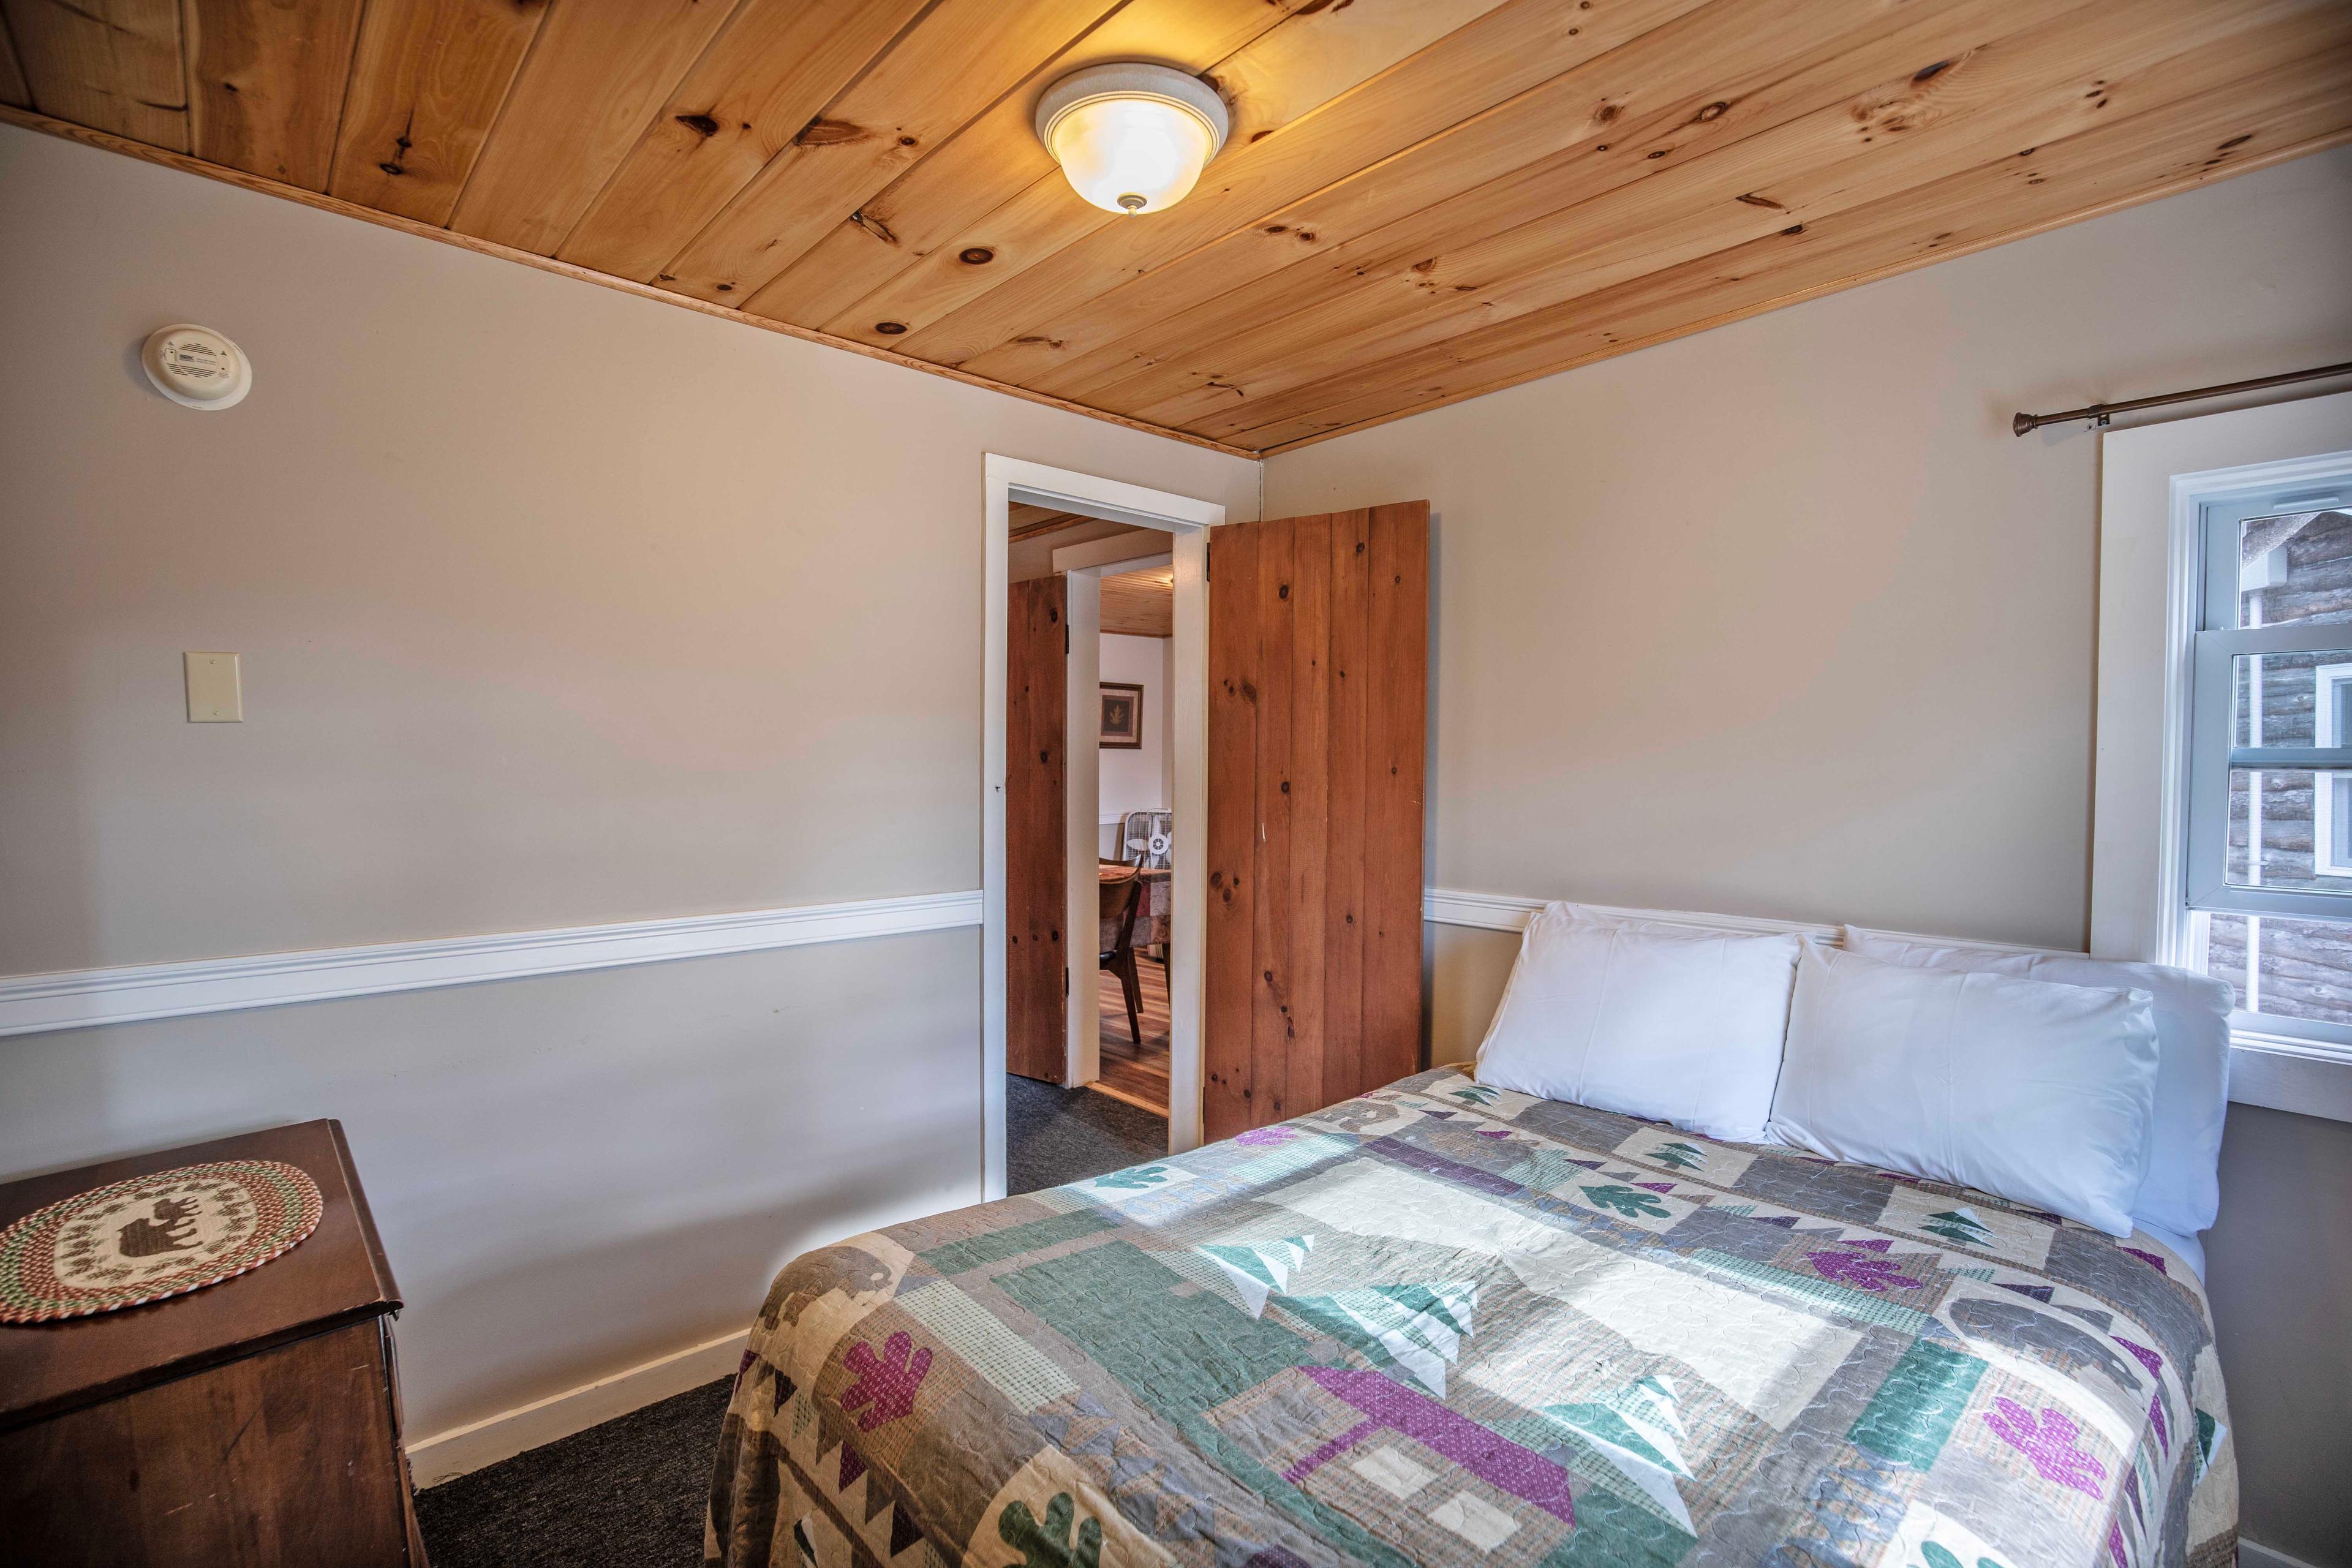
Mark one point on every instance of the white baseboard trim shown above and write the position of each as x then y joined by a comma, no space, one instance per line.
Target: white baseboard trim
2251,1555
460,1450
80,998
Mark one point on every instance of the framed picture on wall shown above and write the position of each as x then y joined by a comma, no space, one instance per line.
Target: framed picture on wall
1122,716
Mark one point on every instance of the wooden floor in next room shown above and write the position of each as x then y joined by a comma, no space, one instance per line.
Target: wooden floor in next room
1137,1071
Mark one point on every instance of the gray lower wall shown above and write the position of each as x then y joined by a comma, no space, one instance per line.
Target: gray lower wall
575,1173
2279,1268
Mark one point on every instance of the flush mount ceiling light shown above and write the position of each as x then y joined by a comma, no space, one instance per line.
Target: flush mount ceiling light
1132,138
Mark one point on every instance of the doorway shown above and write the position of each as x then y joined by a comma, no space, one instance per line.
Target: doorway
1044,977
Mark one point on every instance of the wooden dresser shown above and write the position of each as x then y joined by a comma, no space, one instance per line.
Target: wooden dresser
253,1422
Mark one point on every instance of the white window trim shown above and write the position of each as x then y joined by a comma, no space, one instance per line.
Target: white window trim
2155,480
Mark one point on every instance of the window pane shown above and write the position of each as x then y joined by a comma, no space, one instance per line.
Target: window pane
2302,969
2292,699
2296,826
2296,566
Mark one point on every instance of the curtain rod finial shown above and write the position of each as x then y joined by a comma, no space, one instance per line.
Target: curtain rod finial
2023,424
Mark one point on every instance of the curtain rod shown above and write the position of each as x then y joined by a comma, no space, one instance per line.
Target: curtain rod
2097,413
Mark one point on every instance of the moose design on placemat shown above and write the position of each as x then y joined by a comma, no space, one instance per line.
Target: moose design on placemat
172,1229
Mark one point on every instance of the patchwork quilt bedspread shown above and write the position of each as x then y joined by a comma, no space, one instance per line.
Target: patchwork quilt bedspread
1445,1324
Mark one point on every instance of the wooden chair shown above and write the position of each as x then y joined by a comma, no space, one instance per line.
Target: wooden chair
1122,900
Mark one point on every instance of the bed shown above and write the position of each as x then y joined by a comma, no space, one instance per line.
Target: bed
1447,1323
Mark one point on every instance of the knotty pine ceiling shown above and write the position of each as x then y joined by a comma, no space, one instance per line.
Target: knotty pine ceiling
1422,200
1140,603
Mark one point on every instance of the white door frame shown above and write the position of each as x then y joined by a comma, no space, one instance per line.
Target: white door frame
1082,799
1188,520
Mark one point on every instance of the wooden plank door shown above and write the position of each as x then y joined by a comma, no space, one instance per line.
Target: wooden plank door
1035,748
1318,679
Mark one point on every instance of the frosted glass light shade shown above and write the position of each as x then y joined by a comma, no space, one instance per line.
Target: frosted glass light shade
1132,138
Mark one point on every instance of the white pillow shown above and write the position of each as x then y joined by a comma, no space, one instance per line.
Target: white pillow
2182,1191
2036,1092
1668,1022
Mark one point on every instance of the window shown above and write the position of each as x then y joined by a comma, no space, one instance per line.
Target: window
2268,873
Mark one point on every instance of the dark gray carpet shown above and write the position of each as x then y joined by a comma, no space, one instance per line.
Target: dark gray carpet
1053,1136
631,1493
628,1494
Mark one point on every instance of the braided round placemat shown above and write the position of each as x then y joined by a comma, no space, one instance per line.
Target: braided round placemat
129,1243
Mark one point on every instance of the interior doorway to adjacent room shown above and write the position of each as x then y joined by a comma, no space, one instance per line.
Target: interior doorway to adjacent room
1096,712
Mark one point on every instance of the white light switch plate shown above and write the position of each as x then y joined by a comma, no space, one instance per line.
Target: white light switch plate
215,694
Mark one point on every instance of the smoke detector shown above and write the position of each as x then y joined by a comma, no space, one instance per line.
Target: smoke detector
196,367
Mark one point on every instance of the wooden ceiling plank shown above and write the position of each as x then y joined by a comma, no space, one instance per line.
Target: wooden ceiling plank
13,88
997,156
1015,235
265,80
1048,522
758,86
427,83
1701,81
597,74
2033,88
1140,603
114,65
1505,52
150,65
1288,72
2242,125
943,73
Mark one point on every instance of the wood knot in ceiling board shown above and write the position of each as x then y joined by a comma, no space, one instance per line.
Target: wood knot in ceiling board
1713,111
874,226
976,255
1033,341
1753,200
890,329
1927,73
702,125
396,165
823,133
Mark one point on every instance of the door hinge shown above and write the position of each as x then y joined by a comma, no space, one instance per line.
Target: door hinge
1066,982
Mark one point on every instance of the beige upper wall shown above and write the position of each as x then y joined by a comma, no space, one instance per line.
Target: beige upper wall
556,605
1779,619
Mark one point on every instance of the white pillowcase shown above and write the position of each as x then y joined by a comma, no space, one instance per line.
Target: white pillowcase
1646,1018
2036,1093
2182,1190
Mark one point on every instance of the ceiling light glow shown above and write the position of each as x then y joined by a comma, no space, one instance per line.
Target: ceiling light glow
1133,138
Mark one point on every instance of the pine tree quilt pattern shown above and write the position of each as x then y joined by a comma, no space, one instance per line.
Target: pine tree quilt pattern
1445,1324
